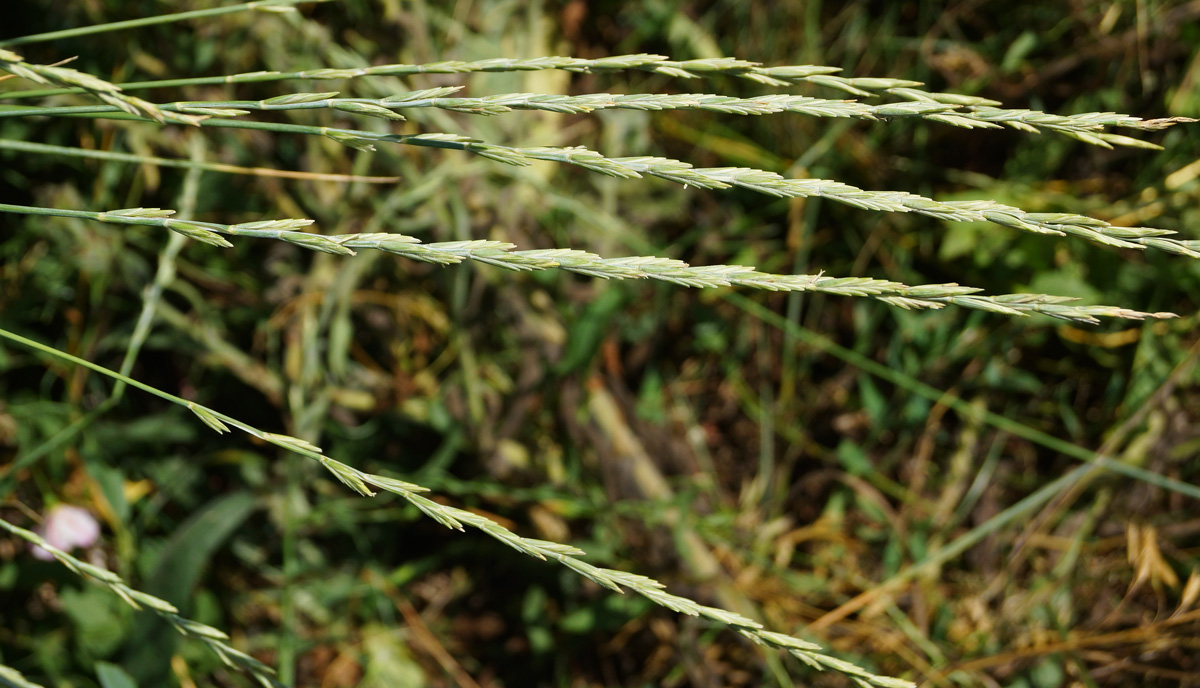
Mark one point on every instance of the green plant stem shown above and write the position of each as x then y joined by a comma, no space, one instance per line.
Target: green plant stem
308,403
262,5
206,415
207,232
165,274
287,594
114,156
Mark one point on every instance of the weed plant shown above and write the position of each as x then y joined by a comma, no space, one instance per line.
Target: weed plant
877,479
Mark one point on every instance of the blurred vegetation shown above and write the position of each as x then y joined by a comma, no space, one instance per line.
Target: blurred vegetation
677,433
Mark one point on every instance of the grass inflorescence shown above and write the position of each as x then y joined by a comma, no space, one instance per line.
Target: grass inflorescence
327,366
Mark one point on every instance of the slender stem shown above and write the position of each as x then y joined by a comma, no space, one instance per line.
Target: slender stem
60,111
48,149
38,346
268,5
286,663
165,274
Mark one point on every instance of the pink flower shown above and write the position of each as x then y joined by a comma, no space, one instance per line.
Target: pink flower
67,527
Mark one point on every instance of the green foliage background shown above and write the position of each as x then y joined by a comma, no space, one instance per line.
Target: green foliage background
670,432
